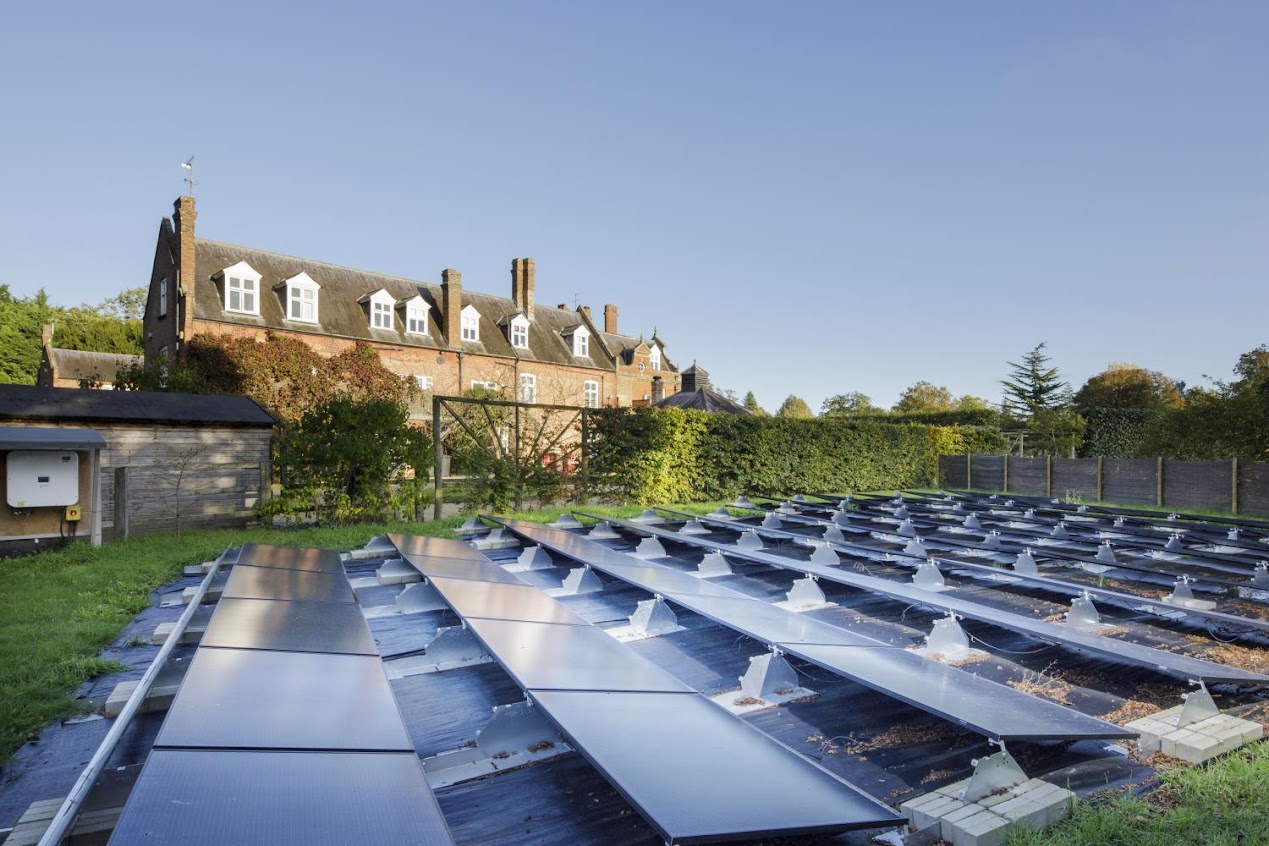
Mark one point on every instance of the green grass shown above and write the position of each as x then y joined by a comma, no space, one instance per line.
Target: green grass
1220,803
60,608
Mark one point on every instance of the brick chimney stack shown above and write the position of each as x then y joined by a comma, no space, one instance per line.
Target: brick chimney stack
183,222
46,335
452,305
522,285
610,319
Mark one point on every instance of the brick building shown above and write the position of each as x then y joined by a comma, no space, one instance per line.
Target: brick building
61,368
448,339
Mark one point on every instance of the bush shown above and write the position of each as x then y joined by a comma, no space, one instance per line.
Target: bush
662,455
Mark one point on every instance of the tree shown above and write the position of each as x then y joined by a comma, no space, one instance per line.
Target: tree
969,402
751,404
852,402
924,396
795,407
1127,386
1033,385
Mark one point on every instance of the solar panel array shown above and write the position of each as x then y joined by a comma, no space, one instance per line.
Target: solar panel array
694,771
284,728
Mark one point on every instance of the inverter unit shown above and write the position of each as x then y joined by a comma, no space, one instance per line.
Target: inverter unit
42,478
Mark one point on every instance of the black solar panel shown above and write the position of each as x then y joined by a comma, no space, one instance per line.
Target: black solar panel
295,585
255,699
291,558
220,797
700,775
291,626
543,656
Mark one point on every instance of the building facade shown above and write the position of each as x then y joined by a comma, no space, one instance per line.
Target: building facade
448,339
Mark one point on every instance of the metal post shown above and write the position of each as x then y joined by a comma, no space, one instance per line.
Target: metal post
585,450
1158,482
66,814
517,460
437,457
1233,486
121,502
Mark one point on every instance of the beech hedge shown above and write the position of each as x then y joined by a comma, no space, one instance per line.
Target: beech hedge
652,455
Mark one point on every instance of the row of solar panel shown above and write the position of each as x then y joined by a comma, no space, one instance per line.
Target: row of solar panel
284,728
1113,649
694,771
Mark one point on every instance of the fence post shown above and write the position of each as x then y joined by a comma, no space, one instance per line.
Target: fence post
1101,459
1233,487
585,469
1048,476
266,482
438,471
969,470
1005,486
1158,482
121,502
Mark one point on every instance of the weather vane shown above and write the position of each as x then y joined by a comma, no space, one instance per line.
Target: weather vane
188,164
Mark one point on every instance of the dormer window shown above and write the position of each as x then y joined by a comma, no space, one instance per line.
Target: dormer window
470,324
520,332
416,316
581,342
382,309
301,298
654,357
242,289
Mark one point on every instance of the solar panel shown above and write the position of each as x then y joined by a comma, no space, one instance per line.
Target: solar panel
699,775
1112,648
434,547
254,699
981,704
483,570
217,797
294,585
500,601
543,656
334,627
290,558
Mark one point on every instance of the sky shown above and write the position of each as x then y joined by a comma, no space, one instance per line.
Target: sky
804,198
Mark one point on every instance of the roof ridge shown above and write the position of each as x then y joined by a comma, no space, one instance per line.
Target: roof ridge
312,261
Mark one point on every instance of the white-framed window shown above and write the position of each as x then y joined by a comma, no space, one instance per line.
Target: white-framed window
520,332
654,357
424,383
416,316
301,298
382,307
528,387
163,297
590,393
492,386
242,289
581,342
470,324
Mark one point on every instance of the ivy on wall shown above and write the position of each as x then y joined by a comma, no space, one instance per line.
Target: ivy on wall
673,455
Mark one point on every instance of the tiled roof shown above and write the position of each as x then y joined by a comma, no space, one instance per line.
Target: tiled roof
82,364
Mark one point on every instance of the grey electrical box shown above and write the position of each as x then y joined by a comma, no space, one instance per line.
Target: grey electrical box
42,478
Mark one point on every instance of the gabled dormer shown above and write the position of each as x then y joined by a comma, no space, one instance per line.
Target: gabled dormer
578,339
300,298
414,315
517,328
380,309
239,286
654,356
469,324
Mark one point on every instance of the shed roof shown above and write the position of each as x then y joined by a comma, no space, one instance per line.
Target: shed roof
702,399
25,402
86,364
48,437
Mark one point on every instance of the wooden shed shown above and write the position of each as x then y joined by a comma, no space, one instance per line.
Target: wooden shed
169,461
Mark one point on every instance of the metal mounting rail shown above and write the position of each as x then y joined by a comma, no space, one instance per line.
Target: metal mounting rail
980,704
1135,603
66,814
1182,666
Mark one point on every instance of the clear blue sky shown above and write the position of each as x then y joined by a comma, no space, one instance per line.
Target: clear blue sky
807,198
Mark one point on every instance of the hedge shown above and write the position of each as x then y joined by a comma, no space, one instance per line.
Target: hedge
666,455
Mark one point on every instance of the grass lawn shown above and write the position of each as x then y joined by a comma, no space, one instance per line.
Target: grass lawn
60,608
